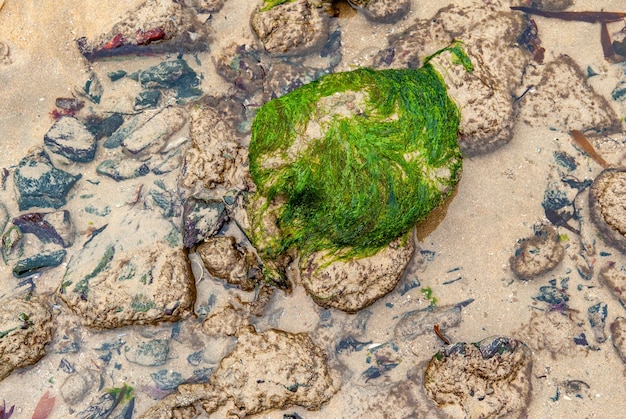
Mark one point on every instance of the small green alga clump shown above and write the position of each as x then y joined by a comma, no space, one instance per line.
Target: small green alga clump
350,162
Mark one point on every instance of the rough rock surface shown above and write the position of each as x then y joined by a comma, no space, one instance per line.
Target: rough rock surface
607,199
490,378
613,276
353,285
537,254
383,11
290,28
618,334
114,282
26,328
225,259
484,95
269,370
562,99
554,332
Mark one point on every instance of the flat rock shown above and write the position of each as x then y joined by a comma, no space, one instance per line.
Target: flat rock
355,284
26,329
138,278
266,371
490,378
69,138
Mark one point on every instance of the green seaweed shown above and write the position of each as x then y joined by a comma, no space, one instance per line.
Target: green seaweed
268,4
353,160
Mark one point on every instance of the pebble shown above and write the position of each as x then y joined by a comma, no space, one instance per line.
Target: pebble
34,264
69,138
537,254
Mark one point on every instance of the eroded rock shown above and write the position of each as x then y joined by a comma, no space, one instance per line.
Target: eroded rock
26,328
490,378
537,254
226,260
383,11
607,199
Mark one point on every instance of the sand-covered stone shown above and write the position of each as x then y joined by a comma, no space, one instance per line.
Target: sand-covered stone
490,378
225,259
355,284
266,371
69,138
383,11
25,330
538,254
292,27
139,278
613,276
618,337
607,199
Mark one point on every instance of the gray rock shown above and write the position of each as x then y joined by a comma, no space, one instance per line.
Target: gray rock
70,138
40,184
36,263
49,227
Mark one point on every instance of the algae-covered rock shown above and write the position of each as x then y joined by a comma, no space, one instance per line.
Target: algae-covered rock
352,161
26,328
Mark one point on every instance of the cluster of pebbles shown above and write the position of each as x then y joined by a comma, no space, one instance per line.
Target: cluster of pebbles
133,215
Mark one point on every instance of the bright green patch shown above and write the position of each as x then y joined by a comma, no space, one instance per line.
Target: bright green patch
428,294
268,4
353,160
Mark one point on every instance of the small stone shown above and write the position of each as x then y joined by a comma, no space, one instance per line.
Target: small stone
68,137
174,74
607,199
40,184
77,386
490,378
167,380
202,219
225,259
147,99
12,244
618,336
152,353
49,227
25,329
101,128
116,75
538,254
123,168
34,264
383,11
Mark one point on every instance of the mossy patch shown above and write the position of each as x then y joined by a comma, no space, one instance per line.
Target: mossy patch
350,162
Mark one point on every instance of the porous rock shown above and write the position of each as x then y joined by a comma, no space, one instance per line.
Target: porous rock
293,27
268,370
537,254
383,11
225,259
607,199
137,278
485,95
613,276
563,99
618,336
355,284
490,378
26,327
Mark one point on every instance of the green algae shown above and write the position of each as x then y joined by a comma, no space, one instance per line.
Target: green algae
268,4
353,160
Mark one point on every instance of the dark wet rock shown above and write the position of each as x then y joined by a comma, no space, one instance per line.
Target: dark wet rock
25,329
490,378
556,298
225,259
613,276
104,127
355,284
607,199
36,263
289,370
597,319
117,75
537,254
40,184
175,74
151,136
49,227
123,168
290,28
71,139
618,336
152,353
284,76
147,99
383,11
563,99
241,65
415,323
201,220
160,26
138,278
93,89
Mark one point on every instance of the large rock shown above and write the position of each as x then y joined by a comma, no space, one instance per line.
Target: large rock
26,327
118,279
269,370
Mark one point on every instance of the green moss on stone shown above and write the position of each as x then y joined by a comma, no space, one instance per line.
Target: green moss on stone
268,4
353,160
